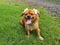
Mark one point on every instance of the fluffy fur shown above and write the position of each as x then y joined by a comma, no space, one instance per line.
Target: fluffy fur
30,19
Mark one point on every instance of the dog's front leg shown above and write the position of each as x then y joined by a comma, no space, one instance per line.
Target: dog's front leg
38,33
27,31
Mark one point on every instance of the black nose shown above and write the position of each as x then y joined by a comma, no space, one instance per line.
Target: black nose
28,17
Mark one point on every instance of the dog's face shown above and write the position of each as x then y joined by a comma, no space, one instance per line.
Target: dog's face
30,15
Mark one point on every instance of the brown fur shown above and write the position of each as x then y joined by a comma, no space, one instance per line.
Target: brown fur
34,25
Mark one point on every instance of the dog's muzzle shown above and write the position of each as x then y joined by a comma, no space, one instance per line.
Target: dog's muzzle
28,17
28,20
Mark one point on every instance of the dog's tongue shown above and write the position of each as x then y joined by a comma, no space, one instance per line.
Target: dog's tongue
28,21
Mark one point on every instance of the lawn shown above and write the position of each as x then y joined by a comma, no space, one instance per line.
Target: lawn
54,0
13,33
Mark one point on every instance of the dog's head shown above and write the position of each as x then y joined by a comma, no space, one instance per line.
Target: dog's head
30,15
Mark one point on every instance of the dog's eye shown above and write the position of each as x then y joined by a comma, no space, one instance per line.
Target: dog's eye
31,14
32,17
26,14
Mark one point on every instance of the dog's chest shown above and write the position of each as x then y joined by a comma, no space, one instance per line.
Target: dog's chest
31,27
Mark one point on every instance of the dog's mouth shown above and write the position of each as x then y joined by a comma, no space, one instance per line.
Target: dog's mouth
28,21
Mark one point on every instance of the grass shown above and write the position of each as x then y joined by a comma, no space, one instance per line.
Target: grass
54,0
12,33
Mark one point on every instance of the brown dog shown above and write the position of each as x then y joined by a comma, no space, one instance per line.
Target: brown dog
30,19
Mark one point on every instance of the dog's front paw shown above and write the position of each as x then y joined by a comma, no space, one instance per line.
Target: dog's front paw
41,38
28,36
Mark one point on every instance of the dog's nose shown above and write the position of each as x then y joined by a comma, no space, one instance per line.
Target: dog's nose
28,17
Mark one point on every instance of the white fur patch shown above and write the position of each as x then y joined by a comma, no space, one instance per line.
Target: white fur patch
25,10
35,10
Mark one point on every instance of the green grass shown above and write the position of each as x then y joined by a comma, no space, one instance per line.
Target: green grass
12,33
54,0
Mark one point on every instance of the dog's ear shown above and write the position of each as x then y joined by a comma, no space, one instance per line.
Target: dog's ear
36,12
22,14
24,11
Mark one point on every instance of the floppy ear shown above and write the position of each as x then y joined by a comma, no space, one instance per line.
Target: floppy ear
22,14
24,11
36,12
